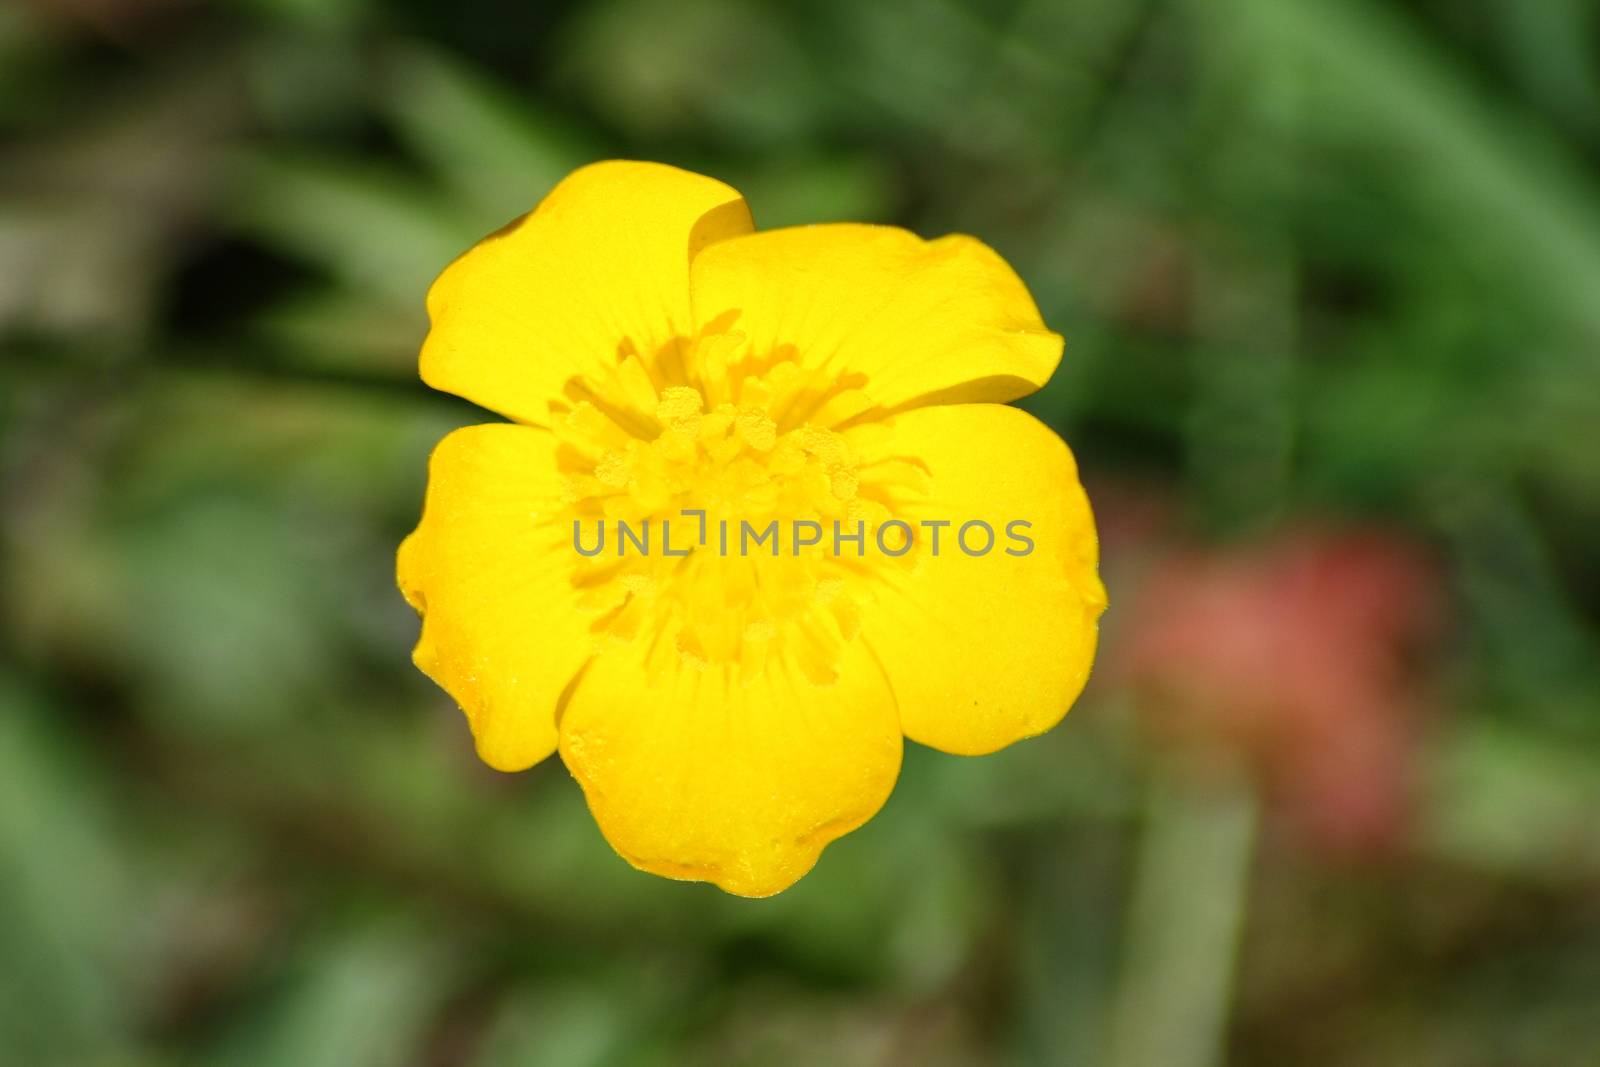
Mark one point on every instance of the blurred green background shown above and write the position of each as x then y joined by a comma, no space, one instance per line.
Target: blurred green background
1329,271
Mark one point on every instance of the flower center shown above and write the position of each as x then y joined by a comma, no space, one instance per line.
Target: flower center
732,505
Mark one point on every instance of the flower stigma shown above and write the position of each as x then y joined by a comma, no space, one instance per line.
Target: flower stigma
709,443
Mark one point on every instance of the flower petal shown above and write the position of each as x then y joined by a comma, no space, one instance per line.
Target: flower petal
693,775
489,569
985,650
904,320
600,266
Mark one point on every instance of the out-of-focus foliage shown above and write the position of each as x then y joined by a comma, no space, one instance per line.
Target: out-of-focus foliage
1329,272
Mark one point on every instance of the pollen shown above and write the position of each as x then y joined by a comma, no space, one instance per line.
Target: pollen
690,470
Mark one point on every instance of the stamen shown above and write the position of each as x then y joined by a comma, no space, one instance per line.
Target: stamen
707,426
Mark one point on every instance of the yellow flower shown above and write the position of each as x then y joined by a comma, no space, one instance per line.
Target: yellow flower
730,710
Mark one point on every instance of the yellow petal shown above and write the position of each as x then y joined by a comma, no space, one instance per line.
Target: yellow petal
599,268
489,569
693,775
905,321
985,650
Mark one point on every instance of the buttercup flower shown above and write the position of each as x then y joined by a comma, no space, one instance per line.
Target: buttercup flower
677,381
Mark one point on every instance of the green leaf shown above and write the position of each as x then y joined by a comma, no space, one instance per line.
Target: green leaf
1496,183
493,148
64,903
367,226
363,997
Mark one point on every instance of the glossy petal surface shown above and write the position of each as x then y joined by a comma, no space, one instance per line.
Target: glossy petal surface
599,268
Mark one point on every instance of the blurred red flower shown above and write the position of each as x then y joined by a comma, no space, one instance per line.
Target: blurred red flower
1299,653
